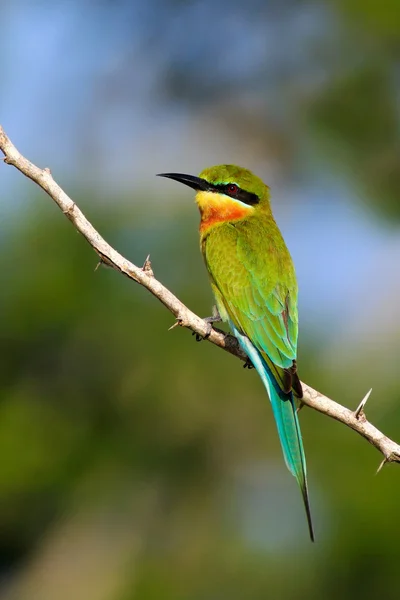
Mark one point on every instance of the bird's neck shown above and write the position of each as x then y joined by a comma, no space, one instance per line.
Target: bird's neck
217,208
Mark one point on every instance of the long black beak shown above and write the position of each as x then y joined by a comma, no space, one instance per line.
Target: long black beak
196,183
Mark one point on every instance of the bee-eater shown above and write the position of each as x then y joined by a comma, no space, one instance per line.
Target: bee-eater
255,288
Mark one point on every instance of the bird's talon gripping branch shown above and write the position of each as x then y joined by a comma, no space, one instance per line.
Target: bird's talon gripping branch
248,364
216,317
212,320
199,338
209,321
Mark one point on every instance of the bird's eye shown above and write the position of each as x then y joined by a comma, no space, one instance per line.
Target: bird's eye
232,188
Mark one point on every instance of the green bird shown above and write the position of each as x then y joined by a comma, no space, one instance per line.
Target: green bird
255,288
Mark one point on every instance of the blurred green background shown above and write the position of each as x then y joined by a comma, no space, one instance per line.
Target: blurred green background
135,463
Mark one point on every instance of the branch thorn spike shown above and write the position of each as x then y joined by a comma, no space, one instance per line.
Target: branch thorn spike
360,408
176,324
147,267
102,262
383,463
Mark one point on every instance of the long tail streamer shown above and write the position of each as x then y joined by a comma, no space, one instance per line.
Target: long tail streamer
284,409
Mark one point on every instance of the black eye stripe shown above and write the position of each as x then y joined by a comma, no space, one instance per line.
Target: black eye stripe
247,197
240,194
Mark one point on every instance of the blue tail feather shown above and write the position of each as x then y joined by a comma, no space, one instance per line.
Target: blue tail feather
284,409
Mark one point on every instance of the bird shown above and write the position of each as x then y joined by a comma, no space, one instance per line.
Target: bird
255,288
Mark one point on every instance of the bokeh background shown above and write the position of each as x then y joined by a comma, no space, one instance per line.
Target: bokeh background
135,463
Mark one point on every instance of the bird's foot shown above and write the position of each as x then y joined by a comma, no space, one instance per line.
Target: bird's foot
248,364
209,321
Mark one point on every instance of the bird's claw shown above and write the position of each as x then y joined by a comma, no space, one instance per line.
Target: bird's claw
216,318
200,338
248,364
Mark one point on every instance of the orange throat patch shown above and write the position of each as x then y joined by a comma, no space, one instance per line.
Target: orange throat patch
217,208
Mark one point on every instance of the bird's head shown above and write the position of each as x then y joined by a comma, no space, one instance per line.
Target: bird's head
225,193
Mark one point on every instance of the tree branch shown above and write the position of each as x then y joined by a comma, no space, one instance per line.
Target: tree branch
356,420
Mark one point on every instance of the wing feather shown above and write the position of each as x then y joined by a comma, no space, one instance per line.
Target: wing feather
255,278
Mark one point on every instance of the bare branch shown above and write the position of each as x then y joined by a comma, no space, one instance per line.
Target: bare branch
356,420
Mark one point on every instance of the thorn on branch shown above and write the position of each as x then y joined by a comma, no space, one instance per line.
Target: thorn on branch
359,412
103,262
383,463
147,267
178,323
47,170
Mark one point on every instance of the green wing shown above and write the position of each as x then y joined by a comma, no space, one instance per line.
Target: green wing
255,285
